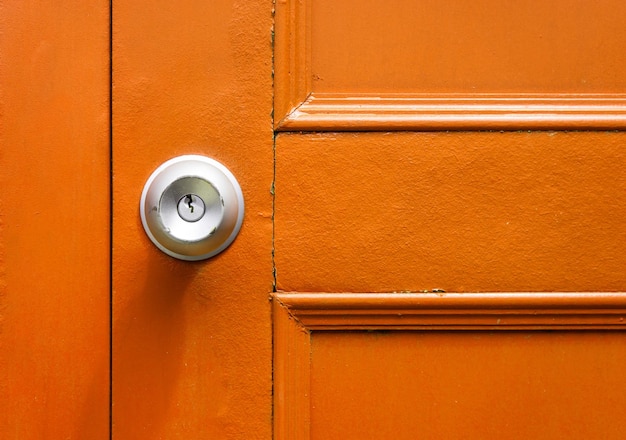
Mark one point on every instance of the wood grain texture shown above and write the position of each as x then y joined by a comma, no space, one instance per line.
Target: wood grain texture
54,220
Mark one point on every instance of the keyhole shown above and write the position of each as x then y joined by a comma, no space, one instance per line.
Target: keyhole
189,201
191,208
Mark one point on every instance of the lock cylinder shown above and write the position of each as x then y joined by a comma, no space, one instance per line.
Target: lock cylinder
192,207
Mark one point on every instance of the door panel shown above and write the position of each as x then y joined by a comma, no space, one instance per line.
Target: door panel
397,365
54,220
433,65
445,270
486,46
416,215
192,340
436,385
374,212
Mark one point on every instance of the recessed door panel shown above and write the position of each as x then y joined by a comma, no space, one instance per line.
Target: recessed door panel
448,220
483,385
381,212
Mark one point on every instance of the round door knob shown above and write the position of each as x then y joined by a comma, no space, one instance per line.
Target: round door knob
192,207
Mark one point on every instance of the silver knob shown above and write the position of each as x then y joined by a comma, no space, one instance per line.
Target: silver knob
192,207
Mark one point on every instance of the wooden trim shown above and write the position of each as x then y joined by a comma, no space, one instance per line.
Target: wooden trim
457,311
298,108
297,315
292,77
292,366
456,112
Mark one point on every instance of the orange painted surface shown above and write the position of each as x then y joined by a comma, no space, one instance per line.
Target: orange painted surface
476,385
54,220
441,365
461,212
418,215
354,212
449,65
483,46
474,210
192,341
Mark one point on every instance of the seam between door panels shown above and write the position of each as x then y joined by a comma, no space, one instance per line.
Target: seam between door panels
110,436
274,135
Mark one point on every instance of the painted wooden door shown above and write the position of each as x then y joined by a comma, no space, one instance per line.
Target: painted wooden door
433,241
449,219
54,220
192,341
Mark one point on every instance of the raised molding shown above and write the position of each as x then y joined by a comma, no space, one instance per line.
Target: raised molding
456,112
297,107
292,367
292,76
456,311
297,316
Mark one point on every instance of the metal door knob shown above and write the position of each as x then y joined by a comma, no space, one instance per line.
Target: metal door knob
192,207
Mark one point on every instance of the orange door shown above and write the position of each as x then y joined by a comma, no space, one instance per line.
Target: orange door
449,245
192,341
54,220
433,239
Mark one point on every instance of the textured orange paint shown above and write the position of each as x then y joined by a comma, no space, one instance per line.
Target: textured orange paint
483,46
192,349
415,215
54,220
434,385
448,65
192,341
433,365
539,211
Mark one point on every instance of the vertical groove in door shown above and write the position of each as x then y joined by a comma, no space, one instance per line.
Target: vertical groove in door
274,134
111,219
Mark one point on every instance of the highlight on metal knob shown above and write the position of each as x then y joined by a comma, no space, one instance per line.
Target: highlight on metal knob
192,207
